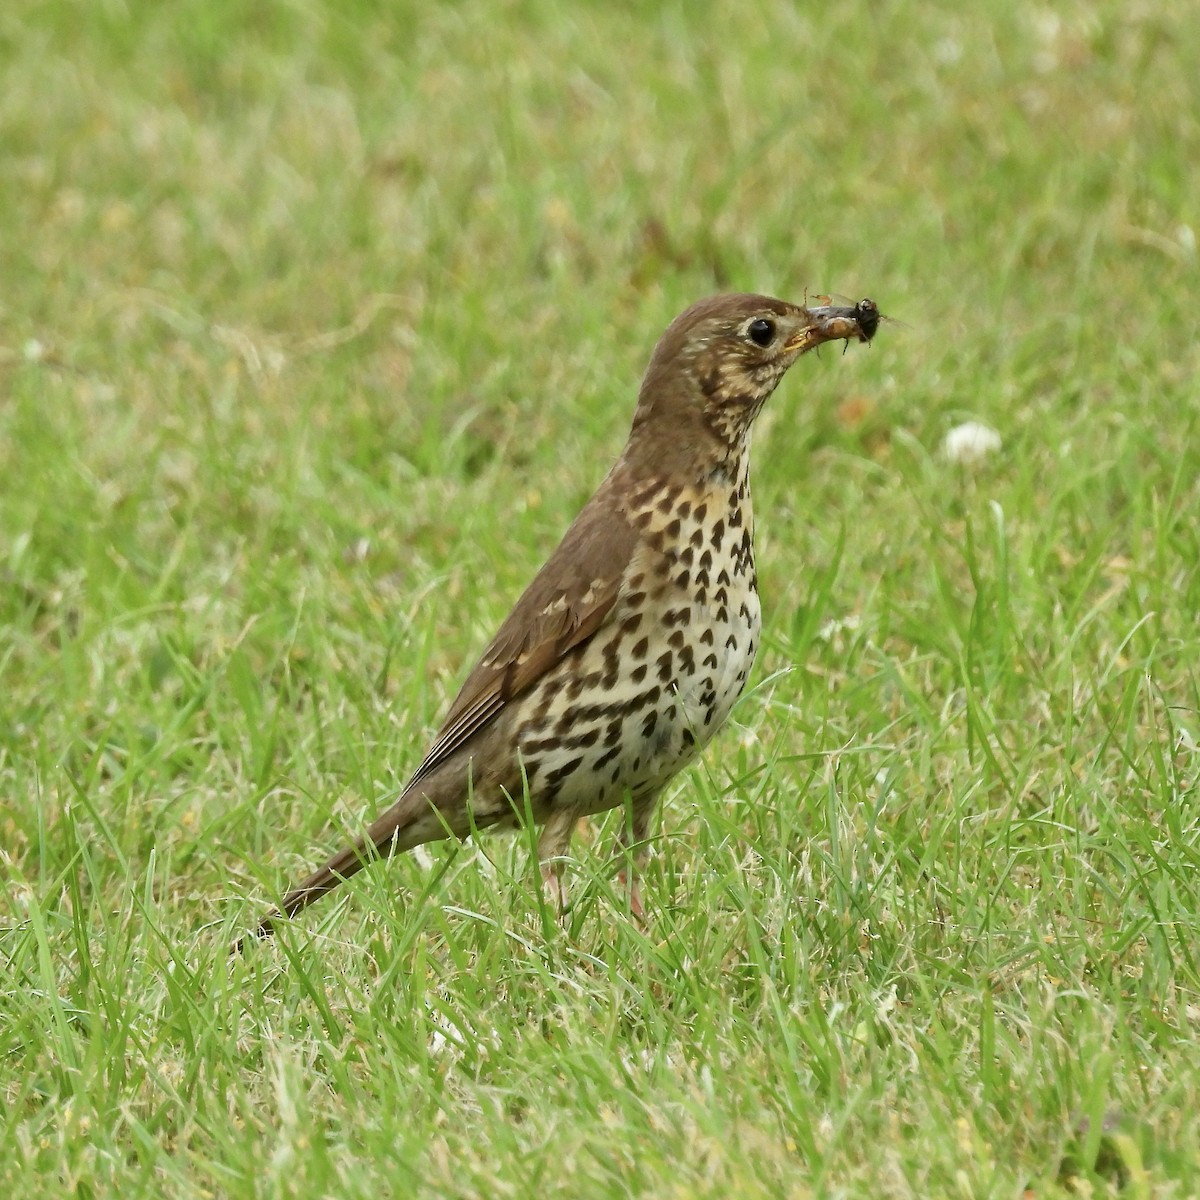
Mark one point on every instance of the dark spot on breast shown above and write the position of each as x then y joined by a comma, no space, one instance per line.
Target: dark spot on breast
560,773
607,757
640,647
638,673
582,714
673,528
569,717
648,725
664,666
612,663
631,622
718,532
539,714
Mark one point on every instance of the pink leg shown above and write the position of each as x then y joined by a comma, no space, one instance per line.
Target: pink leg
634,837
554,842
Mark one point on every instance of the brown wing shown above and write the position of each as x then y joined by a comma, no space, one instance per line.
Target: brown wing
568,600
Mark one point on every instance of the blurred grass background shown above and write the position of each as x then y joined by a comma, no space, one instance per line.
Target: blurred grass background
318,323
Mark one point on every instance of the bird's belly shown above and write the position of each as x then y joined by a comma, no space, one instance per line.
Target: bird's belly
642,714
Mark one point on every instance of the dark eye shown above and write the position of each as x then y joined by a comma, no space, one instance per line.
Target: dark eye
761,331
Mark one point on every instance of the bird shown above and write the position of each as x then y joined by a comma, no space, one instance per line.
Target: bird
625,654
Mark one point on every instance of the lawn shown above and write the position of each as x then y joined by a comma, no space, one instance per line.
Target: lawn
319,323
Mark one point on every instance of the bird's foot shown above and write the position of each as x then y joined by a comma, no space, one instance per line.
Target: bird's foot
555,889
629,882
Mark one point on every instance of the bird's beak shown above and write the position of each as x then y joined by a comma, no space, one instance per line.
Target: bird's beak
803,339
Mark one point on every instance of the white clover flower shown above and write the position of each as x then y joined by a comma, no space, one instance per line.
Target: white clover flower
971,442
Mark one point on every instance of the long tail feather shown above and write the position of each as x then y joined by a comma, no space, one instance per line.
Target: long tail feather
385,836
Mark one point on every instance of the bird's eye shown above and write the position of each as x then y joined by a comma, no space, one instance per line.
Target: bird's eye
761,331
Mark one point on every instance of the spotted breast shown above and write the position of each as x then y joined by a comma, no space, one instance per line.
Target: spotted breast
652,687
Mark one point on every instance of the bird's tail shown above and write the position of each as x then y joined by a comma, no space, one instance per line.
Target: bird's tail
392,832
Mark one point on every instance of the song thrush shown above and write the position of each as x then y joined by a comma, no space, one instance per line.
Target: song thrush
626,652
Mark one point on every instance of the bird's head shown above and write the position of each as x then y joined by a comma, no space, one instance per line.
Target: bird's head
717,363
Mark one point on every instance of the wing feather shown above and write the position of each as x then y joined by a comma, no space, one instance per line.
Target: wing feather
571,598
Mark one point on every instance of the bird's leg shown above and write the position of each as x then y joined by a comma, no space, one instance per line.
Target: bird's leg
633,841
553,843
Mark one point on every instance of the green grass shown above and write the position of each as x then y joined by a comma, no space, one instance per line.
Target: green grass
319,323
